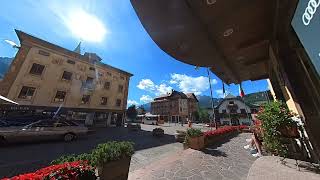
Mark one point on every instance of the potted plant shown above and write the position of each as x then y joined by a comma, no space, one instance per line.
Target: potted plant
157,132
195,138
112,160
277,123
180,136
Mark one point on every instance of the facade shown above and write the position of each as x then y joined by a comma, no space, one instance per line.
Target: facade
46,78
175,106
234,111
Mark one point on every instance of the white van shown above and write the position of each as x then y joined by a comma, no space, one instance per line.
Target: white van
151,119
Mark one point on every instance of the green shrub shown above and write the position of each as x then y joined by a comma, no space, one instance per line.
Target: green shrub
274,116
103,153
193,132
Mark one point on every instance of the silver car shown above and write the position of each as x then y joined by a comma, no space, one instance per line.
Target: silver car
42,130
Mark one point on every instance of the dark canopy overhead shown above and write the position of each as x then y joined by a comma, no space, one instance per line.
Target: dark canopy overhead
230,36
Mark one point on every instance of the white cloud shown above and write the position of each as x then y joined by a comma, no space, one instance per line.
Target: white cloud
186,83
148,85
132,102
146,99
163,89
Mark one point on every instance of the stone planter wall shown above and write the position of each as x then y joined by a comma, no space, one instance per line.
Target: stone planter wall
196,142
114,170
211,140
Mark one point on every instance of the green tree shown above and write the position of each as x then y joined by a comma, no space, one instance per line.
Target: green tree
132,112
196,115
203,115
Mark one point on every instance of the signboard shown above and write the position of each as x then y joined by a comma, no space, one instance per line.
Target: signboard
306,23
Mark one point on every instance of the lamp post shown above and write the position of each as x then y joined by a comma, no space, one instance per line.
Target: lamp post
212,103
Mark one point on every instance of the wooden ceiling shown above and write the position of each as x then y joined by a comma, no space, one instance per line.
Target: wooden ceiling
230,36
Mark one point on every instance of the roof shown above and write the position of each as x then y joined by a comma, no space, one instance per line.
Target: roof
232,97
222,35
24,37
192,96
171,94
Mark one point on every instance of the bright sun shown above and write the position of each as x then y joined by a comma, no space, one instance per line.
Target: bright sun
85,26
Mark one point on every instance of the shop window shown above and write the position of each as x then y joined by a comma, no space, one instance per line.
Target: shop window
104,101
66,75
107,85
118,102
60,96
44,53
85,99
26,92
120,88
36,69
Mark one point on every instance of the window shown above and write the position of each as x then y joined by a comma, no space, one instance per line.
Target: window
107,85
71,62
36,69
44,53
66,75
118,103
89,81
231,102
104,101
120,88
243,111
85,99
121,77
108,73
92,69
44,123
26,92
60,95
224,111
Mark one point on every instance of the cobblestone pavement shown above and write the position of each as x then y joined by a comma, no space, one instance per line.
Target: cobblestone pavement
226,161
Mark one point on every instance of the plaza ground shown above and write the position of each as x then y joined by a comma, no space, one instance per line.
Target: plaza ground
155,158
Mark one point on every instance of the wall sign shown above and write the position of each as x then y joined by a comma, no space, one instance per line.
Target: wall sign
306,23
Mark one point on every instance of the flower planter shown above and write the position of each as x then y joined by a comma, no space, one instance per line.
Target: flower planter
196,143
180,136
210,140
158,132
289,131
114,170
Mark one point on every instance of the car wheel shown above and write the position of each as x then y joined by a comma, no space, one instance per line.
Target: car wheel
69,137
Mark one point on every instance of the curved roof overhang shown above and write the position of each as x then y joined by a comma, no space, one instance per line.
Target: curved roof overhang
230,36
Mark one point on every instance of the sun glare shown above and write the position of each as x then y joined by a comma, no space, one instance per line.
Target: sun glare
85,26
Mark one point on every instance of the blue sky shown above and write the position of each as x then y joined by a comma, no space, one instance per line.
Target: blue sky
112,30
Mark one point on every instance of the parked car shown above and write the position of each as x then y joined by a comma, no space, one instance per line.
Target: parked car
48,129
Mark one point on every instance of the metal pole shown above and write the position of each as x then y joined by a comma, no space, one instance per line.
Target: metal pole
212,103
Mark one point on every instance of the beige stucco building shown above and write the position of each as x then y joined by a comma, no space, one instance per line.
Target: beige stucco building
46,77
175,106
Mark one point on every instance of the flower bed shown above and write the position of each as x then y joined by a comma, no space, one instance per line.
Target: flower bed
105,158
219,134
79,170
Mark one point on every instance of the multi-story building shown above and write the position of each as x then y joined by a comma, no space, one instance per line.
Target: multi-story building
233,111
175,106
47,78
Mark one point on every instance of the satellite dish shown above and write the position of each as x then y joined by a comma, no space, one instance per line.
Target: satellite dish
13,44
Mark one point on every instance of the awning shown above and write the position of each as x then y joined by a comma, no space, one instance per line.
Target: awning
8,100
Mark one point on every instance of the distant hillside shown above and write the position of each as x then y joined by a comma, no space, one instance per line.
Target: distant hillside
205,101
258,98
147,107
4,65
